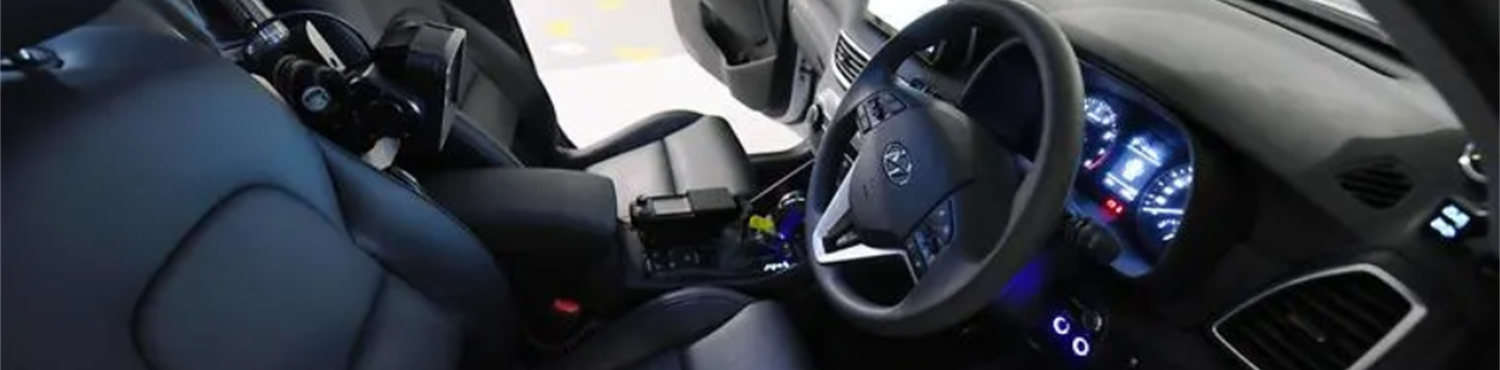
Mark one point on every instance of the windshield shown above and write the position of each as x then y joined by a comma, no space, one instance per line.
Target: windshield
1347,14
1350,8
893,15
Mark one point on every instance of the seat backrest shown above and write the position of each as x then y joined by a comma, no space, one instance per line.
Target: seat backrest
162,211
501,98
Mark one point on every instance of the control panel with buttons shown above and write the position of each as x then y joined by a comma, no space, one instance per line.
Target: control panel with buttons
933,235
877,109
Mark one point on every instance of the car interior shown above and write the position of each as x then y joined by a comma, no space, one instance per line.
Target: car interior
983,184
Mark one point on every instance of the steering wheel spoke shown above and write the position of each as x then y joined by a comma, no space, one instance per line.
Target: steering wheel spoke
834,239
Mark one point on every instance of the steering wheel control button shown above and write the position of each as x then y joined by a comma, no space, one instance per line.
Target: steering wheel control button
888,106
920,252
877,109
939,223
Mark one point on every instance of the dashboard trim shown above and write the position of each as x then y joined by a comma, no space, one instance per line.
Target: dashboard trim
1365,361
833,56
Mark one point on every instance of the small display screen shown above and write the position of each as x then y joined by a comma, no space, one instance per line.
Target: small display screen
1141,158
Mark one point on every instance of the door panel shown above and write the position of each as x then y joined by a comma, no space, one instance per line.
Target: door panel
745,44
815,24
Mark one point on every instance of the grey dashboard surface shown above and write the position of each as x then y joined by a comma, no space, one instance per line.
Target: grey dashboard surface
1284,99
1296,107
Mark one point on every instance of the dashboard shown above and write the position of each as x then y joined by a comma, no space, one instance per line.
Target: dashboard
1137,179
1235,165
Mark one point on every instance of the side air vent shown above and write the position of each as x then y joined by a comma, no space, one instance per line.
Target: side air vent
1380,184
848,60
1338,319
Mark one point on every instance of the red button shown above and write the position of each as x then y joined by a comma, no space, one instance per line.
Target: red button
566,306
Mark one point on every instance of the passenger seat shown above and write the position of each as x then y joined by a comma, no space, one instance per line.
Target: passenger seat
507,117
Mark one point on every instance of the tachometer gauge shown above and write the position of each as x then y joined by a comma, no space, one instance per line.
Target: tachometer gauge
1101,130
1162,205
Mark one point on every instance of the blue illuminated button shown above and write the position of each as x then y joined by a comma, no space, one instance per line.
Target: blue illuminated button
1452,221
1060,325
1080,347
1443,228
1457,216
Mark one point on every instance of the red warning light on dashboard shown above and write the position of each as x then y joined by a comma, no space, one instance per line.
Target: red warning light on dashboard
1113,207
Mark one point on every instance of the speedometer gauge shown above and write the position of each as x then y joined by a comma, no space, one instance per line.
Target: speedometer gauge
1162,205
1100,132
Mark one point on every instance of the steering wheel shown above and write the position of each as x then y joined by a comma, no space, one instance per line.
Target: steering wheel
934,190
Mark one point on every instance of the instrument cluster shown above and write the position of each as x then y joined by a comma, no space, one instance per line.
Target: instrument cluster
1136,175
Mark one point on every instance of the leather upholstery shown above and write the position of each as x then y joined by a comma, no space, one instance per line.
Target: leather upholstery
179,18
538,211
31,21
556,229
699,328
508,118
166,212
163,211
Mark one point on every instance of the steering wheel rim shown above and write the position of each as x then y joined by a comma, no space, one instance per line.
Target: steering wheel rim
963,277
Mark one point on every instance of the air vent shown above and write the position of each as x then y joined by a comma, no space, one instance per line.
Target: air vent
1344,318
1379,184
848,60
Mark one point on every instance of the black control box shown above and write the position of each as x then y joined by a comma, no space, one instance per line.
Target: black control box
697,216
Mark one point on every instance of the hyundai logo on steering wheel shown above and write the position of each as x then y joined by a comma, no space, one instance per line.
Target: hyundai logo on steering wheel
897,163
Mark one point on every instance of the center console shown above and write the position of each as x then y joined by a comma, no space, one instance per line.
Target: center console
571,259
754,244
706,236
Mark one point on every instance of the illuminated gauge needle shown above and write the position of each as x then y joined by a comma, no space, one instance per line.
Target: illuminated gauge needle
1162,211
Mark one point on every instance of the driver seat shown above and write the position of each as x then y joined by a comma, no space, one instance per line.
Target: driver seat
163,211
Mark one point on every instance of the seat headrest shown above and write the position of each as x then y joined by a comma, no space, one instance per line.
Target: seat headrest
28,22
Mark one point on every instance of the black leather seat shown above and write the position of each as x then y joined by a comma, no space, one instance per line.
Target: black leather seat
162,211
508,117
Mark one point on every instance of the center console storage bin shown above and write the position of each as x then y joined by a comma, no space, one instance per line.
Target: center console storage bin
553,231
